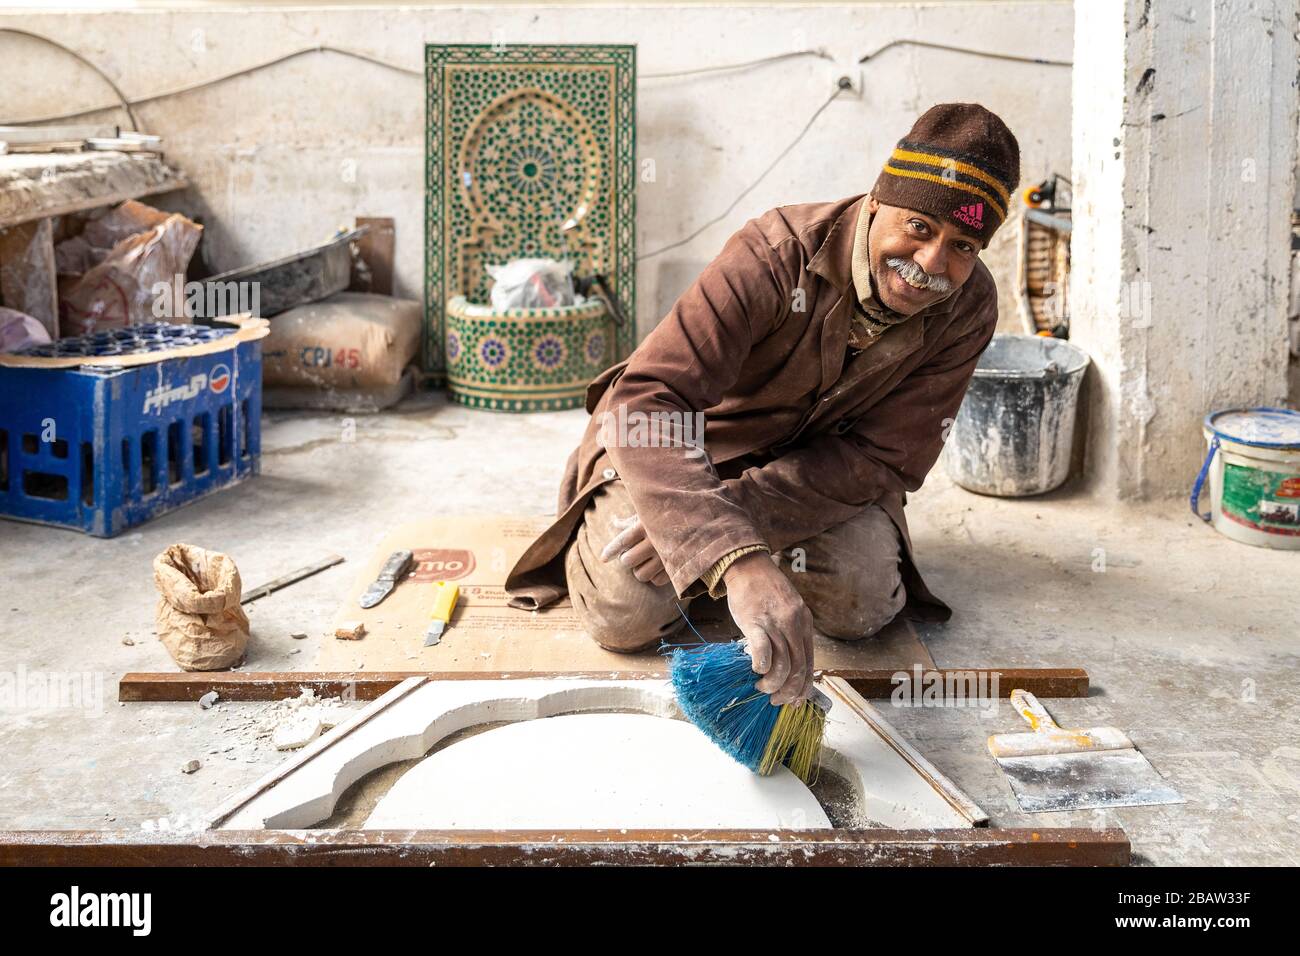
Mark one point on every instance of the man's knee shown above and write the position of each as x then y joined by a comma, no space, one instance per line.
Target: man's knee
624,640
862,606
616,610
626,626
856,587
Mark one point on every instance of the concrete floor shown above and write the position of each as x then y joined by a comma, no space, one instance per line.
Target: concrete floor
1191,639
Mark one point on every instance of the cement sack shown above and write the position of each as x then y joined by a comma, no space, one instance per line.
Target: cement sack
350,340
199,618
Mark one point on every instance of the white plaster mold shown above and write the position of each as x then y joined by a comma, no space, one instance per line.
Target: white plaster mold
593,771
891,785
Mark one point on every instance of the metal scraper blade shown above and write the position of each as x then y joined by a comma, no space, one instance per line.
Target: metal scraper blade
1083,781
398,563
375,593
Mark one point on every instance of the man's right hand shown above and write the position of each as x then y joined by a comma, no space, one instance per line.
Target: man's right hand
776,623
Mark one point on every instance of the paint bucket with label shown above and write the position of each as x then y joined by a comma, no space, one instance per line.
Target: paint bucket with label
1015,429
1253,466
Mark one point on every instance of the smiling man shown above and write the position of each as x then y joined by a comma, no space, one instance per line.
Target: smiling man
827,349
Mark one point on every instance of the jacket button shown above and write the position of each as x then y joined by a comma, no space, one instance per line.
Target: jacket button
609,474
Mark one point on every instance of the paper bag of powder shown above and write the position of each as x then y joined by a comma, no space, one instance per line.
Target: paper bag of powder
199,617
349,340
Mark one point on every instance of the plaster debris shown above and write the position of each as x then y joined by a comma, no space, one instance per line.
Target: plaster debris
247,732
298,731
208,699
298,636
190,766
305,697
128,642
287,724
350,631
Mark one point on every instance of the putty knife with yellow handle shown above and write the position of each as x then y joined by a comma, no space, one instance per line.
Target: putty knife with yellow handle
1052,768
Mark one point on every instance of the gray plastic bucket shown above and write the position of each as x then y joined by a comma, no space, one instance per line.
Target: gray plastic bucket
1015,429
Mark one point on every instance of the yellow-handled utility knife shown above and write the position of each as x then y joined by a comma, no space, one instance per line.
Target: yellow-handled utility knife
444,602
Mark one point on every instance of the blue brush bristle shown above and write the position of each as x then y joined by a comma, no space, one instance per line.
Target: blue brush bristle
715,686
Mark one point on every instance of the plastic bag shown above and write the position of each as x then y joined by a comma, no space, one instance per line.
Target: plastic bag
532,284
199,618
121,222
118,289
18,330
27,284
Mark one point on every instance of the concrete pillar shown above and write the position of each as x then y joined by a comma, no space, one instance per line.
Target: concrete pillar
1184,129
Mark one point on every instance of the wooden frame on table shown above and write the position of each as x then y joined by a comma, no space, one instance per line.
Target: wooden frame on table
1065,846
873,684
974,844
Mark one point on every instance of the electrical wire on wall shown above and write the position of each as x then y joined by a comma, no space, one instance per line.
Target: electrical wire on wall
843,84
122,101
202,84
988,54
727,67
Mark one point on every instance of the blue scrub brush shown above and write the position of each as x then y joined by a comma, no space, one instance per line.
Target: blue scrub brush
715,685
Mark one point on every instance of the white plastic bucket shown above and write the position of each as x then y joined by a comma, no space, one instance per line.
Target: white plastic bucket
1253,465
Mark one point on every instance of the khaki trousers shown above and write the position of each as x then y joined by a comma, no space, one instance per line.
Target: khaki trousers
848,576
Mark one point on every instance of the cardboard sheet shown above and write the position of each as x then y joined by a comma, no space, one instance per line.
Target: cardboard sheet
486,634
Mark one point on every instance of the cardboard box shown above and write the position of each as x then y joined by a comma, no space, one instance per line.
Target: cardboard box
486,634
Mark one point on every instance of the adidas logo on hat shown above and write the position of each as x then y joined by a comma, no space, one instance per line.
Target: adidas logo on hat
972,215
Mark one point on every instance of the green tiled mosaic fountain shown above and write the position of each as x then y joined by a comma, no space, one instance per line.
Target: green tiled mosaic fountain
531,153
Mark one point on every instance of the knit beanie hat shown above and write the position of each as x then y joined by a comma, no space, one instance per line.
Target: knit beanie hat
959,163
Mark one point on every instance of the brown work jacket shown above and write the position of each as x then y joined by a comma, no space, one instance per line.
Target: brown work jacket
799,435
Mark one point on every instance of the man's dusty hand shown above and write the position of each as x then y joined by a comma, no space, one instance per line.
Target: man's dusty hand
633,548
776,623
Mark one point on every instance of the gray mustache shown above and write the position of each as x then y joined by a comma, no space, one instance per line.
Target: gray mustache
914,274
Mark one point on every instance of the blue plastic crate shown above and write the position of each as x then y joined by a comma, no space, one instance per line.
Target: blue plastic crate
103,450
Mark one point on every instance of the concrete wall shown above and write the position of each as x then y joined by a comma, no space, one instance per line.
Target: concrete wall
1184,174
281,157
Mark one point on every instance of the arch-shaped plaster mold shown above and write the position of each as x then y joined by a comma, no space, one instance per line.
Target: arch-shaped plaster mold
891,784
